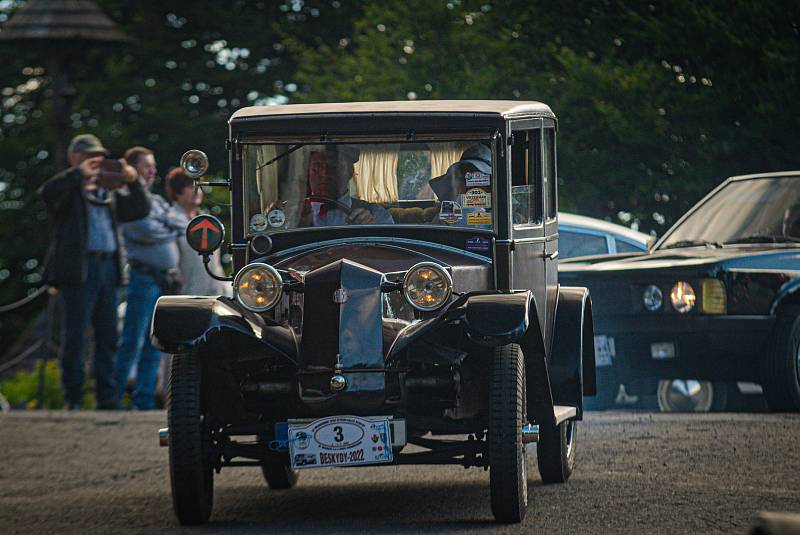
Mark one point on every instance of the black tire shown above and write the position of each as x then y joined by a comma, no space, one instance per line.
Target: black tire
279,475
190,463
780,370
555,451
508,479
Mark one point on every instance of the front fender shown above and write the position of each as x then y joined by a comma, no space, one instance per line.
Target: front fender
789,294
499,318
572,364
184,323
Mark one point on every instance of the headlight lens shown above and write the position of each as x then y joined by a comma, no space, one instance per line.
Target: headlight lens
714,299
258,287
653,298
427,286
683,297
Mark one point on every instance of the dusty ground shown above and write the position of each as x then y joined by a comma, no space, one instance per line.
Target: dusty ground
636,473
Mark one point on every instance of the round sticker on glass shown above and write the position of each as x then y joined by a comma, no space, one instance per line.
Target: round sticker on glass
276,218
258,223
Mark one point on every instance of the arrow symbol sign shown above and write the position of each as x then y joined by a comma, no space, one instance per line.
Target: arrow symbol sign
205,225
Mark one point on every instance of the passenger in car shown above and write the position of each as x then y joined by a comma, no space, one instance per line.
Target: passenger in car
474,168
329,174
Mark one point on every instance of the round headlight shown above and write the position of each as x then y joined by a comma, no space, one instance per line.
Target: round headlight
427,286
258,287
683,297
652,298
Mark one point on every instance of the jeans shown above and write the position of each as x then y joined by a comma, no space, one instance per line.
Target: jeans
136,349
94,301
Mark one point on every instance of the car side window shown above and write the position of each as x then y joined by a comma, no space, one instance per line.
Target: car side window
571,244
628,247
549,172
526,194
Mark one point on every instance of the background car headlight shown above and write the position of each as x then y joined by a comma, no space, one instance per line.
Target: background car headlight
653,298
713,298
258,287
683,297
427,286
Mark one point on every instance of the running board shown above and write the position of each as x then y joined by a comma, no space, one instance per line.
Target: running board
564,412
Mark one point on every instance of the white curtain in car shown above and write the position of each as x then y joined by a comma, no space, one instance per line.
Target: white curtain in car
266,175
443,155
376,174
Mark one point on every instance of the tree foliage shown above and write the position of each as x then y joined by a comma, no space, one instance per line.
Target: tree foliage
657,102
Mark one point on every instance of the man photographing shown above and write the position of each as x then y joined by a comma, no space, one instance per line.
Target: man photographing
84,260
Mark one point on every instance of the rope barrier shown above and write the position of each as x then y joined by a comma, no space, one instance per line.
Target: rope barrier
24,301
22,356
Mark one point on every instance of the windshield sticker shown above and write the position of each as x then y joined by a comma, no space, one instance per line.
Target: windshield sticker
276,218
258,223
476,198
479,218
477,178
477,243
450,213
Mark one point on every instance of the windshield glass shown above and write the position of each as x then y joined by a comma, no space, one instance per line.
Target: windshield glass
765,210
325,185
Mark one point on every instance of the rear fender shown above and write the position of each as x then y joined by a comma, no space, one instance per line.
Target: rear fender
789,294
186,323
572,365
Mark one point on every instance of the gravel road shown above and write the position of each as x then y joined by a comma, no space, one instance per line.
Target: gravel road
90,472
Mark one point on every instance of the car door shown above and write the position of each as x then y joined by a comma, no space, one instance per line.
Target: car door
527,214
550,252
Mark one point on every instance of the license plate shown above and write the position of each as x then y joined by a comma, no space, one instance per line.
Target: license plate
604,350
340,441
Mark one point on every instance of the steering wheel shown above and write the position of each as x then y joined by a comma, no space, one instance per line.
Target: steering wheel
329,200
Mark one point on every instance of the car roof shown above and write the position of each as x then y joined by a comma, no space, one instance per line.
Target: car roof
777,174
575,220
501,108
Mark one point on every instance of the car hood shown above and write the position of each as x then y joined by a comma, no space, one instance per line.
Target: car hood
694,258
469,272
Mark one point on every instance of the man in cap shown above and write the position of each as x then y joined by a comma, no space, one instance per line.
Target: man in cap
84,260
329,174
153,254
474,169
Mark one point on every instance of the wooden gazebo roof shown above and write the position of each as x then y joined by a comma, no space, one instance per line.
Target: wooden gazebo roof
45,21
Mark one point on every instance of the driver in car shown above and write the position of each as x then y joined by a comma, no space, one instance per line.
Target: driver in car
329,174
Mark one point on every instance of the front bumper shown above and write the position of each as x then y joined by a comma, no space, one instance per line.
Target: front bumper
705,347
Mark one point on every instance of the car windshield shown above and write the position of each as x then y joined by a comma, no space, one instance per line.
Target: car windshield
764,210
289,186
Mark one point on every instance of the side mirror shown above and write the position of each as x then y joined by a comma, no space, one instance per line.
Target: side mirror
205,234
194,163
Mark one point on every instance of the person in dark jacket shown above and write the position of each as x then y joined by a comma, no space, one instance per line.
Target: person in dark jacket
85,261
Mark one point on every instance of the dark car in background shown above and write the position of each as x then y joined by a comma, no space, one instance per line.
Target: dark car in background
716,299
395,281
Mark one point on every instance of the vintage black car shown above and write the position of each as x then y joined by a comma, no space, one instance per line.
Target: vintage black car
395,281
716,299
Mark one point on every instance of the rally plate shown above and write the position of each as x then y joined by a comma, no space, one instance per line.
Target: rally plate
340,441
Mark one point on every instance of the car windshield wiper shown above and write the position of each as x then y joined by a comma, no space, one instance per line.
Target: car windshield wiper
763,238
692,243
279,156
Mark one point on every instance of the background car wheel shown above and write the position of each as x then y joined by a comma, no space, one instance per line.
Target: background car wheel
279,475
689,395
555,451
508,478
190,464
780,373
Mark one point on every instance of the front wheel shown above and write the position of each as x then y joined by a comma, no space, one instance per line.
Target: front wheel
780,372
190,463
555,451
690,395
508,478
